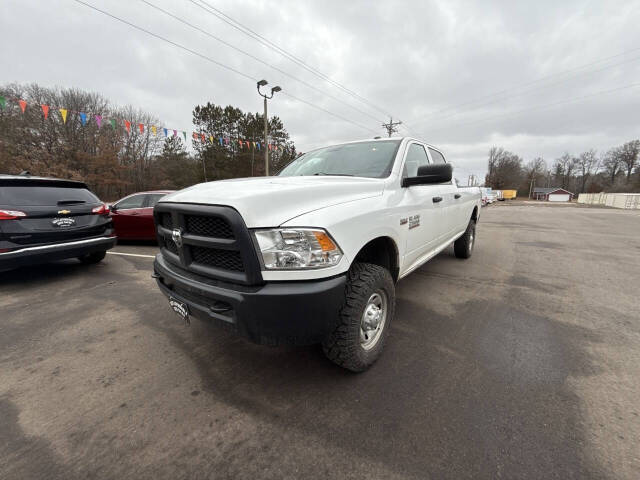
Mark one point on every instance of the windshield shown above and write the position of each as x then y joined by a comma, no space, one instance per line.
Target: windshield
363,159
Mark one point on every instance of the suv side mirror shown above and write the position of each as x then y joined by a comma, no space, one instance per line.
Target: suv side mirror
432,173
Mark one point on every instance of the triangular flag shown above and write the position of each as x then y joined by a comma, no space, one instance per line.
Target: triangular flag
23,105
202,137
141,127
127,125
219,140
83,118
153,129
240,142
2,102
175,133
98,120
113,123
258,144
211,138
45,110
195,136
226,140
165,132
63,112
184,134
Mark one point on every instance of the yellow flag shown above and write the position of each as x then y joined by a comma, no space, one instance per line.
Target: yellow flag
63,112
153,129
211,138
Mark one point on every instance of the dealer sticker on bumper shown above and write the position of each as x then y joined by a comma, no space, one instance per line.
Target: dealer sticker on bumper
180,308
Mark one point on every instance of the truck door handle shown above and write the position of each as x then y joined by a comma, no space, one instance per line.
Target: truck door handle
436,199
457,196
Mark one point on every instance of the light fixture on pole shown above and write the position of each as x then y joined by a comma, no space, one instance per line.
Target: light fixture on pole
266,97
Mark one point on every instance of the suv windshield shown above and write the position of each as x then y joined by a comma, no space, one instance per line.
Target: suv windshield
363,159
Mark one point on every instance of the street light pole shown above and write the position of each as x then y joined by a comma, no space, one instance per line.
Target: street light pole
266,97
266,135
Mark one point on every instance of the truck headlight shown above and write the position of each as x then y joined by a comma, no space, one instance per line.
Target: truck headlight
296,248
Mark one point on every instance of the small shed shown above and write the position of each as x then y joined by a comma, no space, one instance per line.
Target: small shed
553,194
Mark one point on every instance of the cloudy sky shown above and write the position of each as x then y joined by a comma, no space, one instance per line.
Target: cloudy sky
538,77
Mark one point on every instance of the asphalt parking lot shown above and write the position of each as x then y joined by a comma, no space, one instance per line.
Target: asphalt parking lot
522,362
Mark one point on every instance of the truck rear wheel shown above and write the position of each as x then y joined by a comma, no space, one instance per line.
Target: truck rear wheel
463,247
358,339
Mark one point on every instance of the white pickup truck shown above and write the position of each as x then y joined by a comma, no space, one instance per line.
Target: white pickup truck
312,255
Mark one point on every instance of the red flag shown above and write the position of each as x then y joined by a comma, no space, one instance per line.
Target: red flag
23,105
141,126
127,125
195,136
45,110
202,137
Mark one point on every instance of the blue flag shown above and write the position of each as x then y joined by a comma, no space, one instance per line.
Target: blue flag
165,131
83,118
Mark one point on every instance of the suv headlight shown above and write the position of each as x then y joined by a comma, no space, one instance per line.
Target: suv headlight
296,248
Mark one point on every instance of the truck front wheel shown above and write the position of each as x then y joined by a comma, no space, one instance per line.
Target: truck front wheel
363,324
463,246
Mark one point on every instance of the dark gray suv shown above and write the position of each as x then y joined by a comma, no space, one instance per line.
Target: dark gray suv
46,219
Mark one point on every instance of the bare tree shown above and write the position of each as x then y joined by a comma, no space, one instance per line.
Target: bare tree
628,155
534,170
586,163
612,165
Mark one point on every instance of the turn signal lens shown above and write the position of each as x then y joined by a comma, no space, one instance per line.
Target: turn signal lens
325,241
11,214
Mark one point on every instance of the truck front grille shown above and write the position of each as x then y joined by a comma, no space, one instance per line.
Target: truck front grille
209,226
210,241
218,258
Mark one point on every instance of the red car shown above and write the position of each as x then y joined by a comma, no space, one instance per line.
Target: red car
133,215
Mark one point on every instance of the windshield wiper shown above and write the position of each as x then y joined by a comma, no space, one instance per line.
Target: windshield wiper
334,174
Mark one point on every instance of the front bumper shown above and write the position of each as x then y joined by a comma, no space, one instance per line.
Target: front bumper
56,251
298,313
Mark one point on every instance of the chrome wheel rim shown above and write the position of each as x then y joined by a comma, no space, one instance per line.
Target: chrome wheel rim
472,236
373,320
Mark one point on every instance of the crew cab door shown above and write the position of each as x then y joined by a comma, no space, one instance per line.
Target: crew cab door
422,208
452,201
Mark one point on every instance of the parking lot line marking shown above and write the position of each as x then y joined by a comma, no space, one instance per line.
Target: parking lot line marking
132,254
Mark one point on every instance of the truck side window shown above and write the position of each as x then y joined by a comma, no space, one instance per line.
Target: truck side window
416,157
436,156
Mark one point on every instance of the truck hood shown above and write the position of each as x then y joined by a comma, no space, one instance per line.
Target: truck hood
271,201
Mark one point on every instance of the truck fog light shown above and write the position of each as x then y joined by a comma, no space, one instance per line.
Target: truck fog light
296,248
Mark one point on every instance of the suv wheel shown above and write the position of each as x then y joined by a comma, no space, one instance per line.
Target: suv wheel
463,247
364,319
93,257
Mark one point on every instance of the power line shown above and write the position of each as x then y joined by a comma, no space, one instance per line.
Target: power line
257,59
541,107
525,92
209,59
269,44
533,82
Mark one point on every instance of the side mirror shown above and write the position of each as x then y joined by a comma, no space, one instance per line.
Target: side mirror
113,207
427,174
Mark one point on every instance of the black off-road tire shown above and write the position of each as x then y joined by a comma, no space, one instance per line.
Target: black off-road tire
463,247
93,257
343,345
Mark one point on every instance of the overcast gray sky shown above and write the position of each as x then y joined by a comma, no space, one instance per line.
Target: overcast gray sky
462,75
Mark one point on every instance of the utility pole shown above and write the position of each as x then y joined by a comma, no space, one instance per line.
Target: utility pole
391,127
266,97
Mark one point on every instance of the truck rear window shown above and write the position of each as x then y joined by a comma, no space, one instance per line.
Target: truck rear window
40,195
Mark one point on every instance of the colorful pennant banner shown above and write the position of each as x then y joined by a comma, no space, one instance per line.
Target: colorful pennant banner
197,136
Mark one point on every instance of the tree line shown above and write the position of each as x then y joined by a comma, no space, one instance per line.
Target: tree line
114,162
616,170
